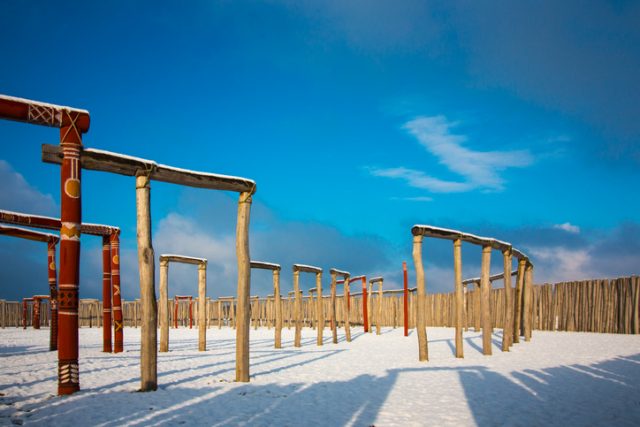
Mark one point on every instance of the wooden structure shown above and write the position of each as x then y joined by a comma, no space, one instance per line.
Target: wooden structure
110,269
275,269
176,300
146,170
487,244
51,242
164,299
372,282
332,305
405,299
297,269
365,313
37,308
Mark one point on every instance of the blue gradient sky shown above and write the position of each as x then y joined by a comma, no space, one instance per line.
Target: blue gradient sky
357,119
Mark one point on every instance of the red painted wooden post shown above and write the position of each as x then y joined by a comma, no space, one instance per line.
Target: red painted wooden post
190,313
365,311
24,313
118,325
106,294
36,313
405,299
53,295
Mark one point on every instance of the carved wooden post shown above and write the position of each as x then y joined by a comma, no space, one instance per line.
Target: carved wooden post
244,287
517,324
118,324
346,308
106,295
457,273
405,299
528,300
332,308
202,306
36,313
53,295
485,291
319,309
507,331
423,352
278,308
163,310
297,308
146,260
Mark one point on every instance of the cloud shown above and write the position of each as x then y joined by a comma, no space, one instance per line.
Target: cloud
479,169
568,227
414,199
18,195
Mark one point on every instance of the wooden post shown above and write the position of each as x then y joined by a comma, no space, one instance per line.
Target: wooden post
71,218
332,308
190,312
53,295
517,324
346,309
405,299
485,294
118,325
163,310
528,299
423,352
507,331
459,296
175,312
244,288
297,309
106,295
368,309
278,308
319,310
146,260
202,306
36,313
379,316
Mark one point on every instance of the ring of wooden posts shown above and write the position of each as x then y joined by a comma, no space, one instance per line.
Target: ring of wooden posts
51,241
345,306
165,259
297,308
110,272
275,269
145,171
521,308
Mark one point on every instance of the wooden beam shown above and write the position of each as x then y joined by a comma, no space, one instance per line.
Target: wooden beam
23,233
42,113
265,265
106,161
306,268
182,259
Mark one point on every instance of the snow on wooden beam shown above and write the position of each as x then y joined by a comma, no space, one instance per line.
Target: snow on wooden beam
306,268
41,113
182,259
23,233
353,279
106,161
491,278
50,223
376,279
339,272
265,265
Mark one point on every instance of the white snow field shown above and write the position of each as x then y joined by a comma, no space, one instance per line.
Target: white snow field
561,379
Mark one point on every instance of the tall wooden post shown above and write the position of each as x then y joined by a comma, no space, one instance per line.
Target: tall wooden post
319,310
244,288
146,260
485,294
332,309
365,309
71,218
405,299
202,306
346,309
297,308
106,295
517,324
118,325
53,295
278,308
190,312
421,326
24,313
528,302
507,331
459,296
163,310
379,315
36,313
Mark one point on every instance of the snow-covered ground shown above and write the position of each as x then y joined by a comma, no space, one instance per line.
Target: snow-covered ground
562,379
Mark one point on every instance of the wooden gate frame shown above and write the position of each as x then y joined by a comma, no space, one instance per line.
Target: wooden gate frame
379,281
302,268
334,324
275,269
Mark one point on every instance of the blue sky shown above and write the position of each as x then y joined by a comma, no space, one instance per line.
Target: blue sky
357,120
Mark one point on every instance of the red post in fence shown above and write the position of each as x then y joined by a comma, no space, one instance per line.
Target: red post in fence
36,313
405,298
106,294
53,294
365,311
118,331
24,313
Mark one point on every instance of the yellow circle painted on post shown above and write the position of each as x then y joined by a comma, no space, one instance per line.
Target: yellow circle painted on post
52,266
72,188
116,259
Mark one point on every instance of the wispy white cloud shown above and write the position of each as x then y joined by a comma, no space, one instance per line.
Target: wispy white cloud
568,227
414,199
18,195
478,169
